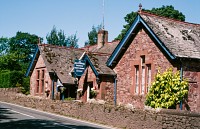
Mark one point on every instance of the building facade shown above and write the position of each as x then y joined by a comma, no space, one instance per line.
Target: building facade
122,72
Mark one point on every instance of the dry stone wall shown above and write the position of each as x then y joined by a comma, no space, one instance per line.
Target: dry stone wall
122,117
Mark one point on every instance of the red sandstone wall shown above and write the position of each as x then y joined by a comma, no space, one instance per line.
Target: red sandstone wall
141,45
40,66
104,89
192,74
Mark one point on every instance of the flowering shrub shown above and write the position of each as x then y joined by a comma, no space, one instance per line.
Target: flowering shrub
167,90
93,93
79,92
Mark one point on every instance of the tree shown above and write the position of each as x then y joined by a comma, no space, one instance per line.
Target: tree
56,37
167,90
166,11
9,62
23,45
72,41
4,46
92,35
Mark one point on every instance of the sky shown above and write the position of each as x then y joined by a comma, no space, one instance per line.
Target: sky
78,16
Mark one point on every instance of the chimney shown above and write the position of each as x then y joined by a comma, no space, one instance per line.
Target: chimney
102,38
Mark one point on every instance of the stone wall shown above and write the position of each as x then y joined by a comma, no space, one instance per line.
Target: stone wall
40,66
122,117
192,74
142,45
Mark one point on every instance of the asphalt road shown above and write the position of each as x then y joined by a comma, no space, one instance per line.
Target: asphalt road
18,117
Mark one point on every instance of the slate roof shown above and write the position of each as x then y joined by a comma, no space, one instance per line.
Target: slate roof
60,60
181,38
99,62
107,48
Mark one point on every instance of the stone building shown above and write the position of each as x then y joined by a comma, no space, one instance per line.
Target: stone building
122,72
156,43
49,71
52,75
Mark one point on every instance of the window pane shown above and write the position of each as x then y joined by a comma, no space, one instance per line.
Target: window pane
148,77
37,86
38,74
143,80
42,86
137,79
142,60
43,74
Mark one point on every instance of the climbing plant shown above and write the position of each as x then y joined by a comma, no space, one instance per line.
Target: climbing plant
167,90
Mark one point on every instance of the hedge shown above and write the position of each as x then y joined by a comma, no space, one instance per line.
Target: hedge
10,78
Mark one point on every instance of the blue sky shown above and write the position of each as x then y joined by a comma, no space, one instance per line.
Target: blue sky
78,16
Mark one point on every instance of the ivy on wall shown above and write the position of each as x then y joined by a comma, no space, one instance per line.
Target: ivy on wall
167,90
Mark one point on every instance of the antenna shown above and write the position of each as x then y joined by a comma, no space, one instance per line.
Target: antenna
103,15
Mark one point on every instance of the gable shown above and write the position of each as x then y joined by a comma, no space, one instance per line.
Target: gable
121,48
33,63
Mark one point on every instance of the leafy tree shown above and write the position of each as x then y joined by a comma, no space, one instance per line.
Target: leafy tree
72,41
23,45
10,62
167,90
92,35
4,46
56,37
166,11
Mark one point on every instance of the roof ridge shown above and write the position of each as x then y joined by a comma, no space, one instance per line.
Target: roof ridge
62,47
100,53
171,19
114,41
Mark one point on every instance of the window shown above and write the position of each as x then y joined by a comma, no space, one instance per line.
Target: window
37,86
40,74
148,77
38,81
42,86
142,77
42,89
143,80
137,79
143,60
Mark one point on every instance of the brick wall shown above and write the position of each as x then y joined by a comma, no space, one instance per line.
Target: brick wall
122,117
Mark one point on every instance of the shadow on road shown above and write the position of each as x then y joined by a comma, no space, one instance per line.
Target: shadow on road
4,114
40,124
8,122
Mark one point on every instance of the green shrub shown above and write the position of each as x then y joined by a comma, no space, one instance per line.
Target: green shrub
25,86
167,90
10,78
14,78
69,99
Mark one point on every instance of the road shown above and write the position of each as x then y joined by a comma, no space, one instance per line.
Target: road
17,117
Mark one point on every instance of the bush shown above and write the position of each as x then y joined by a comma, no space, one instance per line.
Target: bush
25,89
167,90
10,78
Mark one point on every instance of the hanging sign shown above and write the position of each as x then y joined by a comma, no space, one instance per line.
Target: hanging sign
79,67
